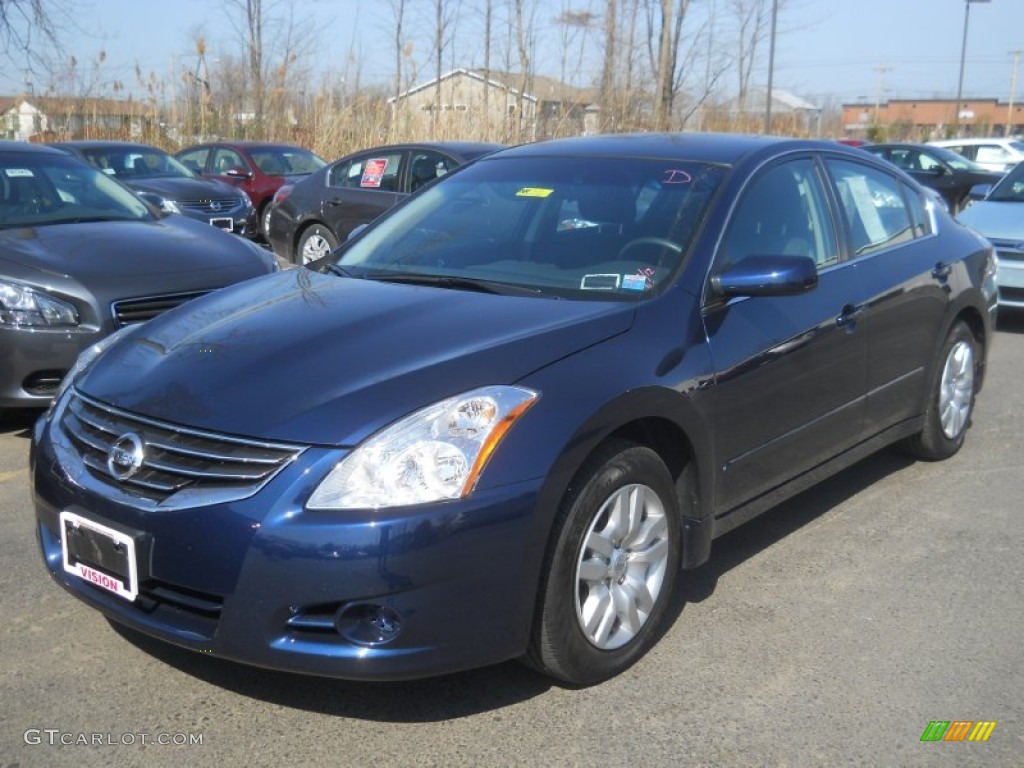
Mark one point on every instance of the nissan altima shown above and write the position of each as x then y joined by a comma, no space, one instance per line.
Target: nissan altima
171,186
81,256
507,418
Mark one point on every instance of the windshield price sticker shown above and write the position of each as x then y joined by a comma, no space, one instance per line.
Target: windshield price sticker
534,192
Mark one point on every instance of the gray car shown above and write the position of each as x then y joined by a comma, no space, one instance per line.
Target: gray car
1000,218
82,256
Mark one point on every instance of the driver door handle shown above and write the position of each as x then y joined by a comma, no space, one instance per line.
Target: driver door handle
848,316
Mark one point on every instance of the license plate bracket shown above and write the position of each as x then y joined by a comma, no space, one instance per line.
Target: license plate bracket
226,223
100,555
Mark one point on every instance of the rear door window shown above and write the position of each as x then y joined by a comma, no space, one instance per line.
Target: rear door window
879,210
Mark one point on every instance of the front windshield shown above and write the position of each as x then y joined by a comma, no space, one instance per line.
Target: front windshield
1011,187
132,162
286,161
39,189
581,228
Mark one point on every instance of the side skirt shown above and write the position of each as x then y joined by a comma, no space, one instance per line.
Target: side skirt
736,516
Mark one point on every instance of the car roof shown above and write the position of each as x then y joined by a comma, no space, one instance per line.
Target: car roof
900,145
86,144
973,140
718,148
443,146
244,144
25,147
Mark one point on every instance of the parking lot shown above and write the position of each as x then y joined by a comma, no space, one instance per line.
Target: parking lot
831,630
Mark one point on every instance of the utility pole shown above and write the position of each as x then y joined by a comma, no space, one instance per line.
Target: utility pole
963,56
771,71
1013,90
880,70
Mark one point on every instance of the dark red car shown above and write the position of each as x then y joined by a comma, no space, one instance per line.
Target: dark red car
259,168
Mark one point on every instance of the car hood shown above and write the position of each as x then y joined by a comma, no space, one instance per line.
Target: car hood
95,253
317,359
180,188
995,220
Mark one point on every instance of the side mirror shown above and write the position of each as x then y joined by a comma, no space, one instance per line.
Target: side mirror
979,191
767,276
155,201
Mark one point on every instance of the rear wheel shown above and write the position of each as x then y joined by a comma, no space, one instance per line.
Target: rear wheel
950,397
610,571
316,242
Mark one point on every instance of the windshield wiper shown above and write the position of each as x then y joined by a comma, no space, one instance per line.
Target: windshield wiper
337,269
89,219
457,283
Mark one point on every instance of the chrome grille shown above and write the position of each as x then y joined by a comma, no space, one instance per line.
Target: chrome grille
204,467
211,206
131,311
1011,250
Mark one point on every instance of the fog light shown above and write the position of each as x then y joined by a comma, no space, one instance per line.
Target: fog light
368,624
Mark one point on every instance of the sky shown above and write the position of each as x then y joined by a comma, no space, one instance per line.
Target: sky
840,50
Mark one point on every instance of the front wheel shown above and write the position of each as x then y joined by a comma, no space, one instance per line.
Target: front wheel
950,397
610,571
265,220
316,242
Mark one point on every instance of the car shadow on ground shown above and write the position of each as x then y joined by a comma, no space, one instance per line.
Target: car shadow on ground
18,421
776,524
1010,320
493,688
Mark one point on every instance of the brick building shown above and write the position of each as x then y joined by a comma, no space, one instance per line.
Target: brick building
926,119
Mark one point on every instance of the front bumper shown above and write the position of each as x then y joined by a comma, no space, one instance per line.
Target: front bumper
33,361
242,220
1010,278
265,582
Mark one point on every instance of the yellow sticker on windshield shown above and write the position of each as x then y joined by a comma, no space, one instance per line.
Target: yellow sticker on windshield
534,192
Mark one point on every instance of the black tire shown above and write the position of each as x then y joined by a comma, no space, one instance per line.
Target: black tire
570,641
951,393
265,221
315,243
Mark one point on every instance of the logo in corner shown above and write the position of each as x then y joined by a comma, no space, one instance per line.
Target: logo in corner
958,730
126,456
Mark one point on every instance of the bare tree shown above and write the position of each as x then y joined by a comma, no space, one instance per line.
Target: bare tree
488,35
247,17
398,15
753,19
574,29
30,35
445,14
608,101
523,16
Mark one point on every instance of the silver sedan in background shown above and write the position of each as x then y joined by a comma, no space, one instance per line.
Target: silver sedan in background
999,216
82,256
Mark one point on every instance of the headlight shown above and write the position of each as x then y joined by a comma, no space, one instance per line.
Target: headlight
434,454
169,206
21,306
87,357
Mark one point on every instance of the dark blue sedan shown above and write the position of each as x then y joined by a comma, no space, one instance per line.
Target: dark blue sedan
501,420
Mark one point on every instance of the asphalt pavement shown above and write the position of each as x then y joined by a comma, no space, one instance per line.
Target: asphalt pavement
831,630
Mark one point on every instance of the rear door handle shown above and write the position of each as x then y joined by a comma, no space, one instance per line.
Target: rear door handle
334,202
